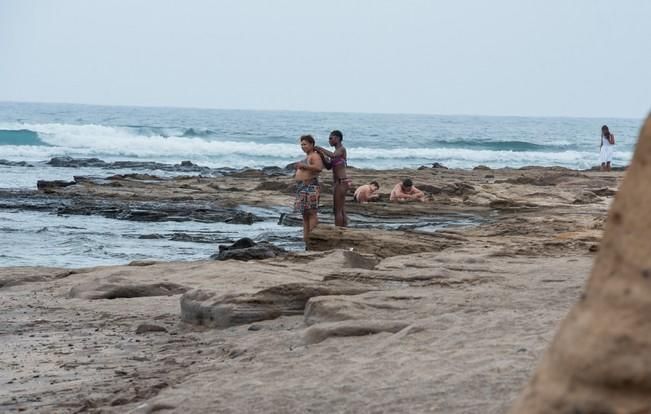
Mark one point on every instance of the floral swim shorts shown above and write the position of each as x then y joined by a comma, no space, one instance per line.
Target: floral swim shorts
307,196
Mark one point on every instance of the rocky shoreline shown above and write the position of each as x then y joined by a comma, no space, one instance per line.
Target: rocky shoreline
394,314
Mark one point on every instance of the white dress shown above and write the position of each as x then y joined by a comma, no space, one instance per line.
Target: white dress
606,154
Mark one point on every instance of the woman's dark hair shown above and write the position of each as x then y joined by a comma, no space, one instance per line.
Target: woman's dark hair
308,138
337,133
375,183
327,163
605,128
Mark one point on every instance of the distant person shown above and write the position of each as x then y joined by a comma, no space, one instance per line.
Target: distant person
606,148
341,181
405,191
308,189
367,192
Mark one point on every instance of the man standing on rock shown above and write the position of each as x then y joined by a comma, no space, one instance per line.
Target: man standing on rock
308,189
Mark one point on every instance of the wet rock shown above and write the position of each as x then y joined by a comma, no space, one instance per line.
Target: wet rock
133,176
153,211
15,163
76,162
277,171
458,189
481,168
505,204
428,188
212,309
247,249
435,165
46,186
241,217
292,220
184,166
194,238
151,236
142,263
148,327
243,243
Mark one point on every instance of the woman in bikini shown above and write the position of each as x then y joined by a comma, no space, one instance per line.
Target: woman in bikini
307,185
341,181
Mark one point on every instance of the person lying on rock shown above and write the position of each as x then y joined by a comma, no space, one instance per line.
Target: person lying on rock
308,189
405,191
367,192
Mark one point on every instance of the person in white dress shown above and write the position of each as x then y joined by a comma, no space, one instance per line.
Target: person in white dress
606,148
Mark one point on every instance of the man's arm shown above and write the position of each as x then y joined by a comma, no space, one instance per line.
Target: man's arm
416,193
397,194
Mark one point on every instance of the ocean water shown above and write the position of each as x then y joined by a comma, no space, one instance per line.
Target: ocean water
34,133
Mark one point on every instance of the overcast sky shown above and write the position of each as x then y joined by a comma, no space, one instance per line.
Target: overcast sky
499,57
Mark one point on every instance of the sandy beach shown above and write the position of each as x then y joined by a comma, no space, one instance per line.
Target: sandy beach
390,319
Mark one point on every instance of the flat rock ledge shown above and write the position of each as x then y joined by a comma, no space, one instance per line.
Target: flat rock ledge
381,243
217,310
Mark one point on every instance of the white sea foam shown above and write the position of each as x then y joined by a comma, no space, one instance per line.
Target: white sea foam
114,143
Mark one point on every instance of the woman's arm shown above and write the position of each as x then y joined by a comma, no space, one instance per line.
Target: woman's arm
338,152
325,152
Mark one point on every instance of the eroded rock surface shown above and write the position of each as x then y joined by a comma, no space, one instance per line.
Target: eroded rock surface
209,308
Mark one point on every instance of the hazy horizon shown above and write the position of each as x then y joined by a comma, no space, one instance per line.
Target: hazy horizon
316,111
581,59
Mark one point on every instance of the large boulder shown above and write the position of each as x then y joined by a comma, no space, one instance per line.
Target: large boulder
599,361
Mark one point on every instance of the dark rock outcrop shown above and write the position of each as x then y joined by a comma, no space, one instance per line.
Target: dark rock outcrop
247,249
15,163
47,186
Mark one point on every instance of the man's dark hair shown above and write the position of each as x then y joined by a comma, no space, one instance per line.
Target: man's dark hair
407,182
337,133
308,138
375,183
